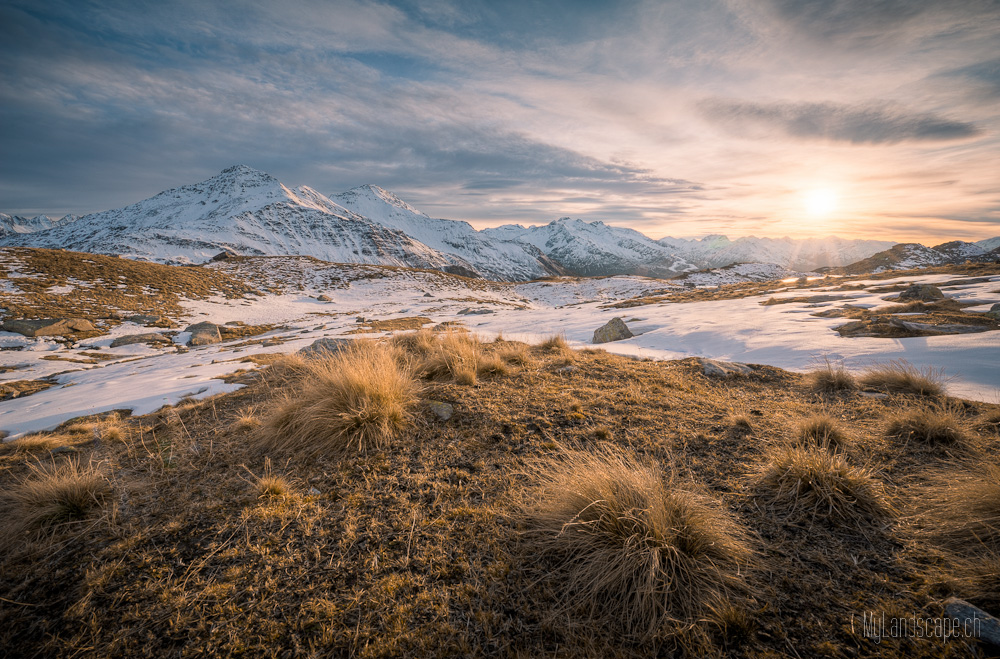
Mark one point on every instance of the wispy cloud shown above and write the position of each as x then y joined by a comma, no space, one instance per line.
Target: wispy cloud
874,123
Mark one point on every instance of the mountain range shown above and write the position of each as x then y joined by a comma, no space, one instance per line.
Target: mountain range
245,211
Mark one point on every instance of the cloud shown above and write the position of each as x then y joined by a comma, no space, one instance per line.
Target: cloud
878,22
873,123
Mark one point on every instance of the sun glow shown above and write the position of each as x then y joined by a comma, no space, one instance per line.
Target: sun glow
821,202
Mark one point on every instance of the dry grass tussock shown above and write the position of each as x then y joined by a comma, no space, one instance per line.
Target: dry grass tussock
821,430
554,343
51,494
459,356
831,378
929,425
812,484
960,508
355,400
633,545
899,376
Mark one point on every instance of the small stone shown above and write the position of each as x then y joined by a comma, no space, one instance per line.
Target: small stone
874,394
428,295
48,326
442,410
922,292
567,369
325,346
323,298
985,627
720,369
614,330
62,449
148,337
203,334
313,491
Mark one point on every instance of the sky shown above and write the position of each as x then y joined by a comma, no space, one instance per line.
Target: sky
860,118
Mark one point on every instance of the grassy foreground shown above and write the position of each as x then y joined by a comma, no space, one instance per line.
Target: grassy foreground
573,504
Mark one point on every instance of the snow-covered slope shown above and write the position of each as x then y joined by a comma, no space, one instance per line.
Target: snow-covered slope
15,224
805,254
493,257
596,249
989,244
737,273
244,211
959,251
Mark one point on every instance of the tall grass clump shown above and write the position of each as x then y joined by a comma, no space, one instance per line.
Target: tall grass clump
899,376
354,400
554,343
454,356
821,430
49,495
831,378
812,484
960,508
930,425
633,545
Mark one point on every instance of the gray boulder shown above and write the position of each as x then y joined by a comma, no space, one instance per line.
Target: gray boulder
441,410
48,326
203,334
325,346
922,293
718,369
994,312
614,330
974,620
148,337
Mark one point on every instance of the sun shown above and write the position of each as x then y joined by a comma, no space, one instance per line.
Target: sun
821,202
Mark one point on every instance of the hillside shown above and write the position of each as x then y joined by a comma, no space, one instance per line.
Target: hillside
201,532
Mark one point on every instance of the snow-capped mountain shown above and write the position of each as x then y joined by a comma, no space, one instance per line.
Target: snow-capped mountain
596,249
908,256
492,256
958,251
989,244
15,224
801,255
244,211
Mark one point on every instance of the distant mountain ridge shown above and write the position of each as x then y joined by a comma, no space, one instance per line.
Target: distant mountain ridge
245,211
910,256
15,224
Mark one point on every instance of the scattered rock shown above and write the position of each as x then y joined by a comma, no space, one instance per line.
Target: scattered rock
567,369
922,292
223,255
718,369
469,311
442,410
62,449
974,619
148,337
314,492
428,295
203,334
148,320
614,330
325,346
48,326
944,328
323,298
